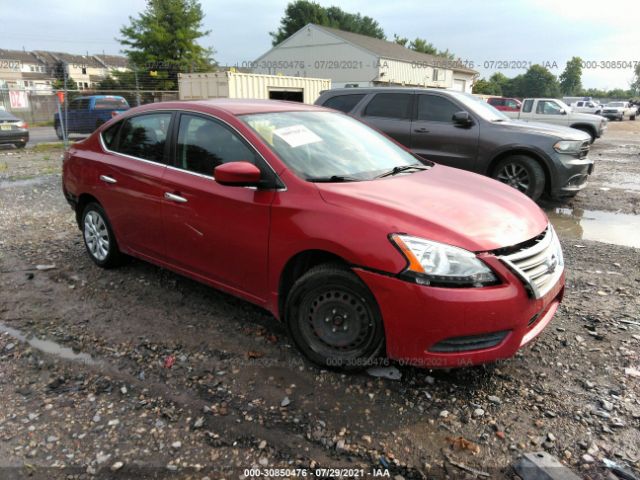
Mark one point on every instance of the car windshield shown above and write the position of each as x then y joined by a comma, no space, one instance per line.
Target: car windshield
325,146
480,107
111,103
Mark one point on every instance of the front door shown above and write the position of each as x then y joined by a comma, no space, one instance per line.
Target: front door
391,113
435,137
219,233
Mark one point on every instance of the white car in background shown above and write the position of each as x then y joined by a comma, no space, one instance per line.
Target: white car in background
619,110
587,106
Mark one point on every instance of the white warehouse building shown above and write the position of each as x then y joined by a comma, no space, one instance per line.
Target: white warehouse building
353,60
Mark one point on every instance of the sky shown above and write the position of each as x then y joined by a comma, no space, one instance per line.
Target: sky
548,32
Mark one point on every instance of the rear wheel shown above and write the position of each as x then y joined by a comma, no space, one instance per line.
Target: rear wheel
59,131
99,239
522,173
20,144
334,319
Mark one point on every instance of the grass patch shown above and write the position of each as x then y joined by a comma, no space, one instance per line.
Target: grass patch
48,123
47,147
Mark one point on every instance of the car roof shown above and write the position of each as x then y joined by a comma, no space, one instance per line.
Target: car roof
233,106
365,90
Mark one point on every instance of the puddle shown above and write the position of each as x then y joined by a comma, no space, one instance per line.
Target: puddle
606,227
47,346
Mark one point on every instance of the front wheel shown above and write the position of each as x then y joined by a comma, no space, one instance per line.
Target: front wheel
20,144
522,173
334,319
59,131
99,239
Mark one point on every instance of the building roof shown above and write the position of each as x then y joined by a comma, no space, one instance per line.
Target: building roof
69,58
394,51
19,55
113,61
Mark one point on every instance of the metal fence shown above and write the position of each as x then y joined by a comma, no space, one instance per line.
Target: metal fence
63,111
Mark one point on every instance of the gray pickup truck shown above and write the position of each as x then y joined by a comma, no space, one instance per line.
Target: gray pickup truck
460,130
556,112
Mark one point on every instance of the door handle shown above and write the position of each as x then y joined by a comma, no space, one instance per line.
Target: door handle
174,198
421,130
107,179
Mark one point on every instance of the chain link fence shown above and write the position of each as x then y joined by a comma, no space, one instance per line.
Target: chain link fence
79,107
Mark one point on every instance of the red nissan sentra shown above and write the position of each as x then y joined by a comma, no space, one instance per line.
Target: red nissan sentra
359,246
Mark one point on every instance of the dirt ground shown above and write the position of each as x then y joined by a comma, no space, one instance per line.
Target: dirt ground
141,373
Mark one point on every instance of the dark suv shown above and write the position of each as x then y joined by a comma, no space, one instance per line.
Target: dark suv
460,130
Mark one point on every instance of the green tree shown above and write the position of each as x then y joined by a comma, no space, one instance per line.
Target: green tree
422,46
486,87
635,83
538,81
163,40
571,78
400,40
302,12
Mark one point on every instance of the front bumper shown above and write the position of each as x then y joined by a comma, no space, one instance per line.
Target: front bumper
613,116
14,136
572,175
420,319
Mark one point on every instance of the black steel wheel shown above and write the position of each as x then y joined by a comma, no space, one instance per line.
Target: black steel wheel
334,319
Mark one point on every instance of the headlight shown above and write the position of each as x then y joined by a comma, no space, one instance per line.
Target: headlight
433,263
568,146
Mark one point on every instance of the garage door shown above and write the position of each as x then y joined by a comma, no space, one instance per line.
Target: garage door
459,85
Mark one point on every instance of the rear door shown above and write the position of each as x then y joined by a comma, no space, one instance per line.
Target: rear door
219,233
129,181
391,114
435,137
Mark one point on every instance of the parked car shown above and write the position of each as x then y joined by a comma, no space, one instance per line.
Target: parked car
551,110
13,130
505,104
619,111
335,229
85,114
586,106
459,130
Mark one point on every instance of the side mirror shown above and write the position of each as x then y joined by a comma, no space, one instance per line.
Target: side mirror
462,119
237,174
563,112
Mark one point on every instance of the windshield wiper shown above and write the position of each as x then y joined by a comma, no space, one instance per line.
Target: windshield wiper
333,179
403,168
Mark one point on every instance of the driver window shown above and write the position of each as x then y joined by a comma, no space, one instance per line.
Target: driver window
548,108
434,108
203,144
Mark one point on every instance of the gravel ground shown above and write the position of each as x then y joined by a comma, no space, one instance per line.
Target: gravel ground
141,373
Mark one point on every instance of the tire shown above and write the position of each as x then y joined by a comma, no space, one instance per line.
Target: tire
334,319
98,236
20,144
588,131
633,117
522,173
59,131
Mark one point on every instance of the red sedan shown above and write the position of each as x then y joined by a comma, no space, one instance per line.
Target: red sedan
360,247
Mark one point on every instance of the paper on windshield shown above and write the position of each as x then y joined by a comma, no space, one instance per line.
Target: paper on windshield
297,135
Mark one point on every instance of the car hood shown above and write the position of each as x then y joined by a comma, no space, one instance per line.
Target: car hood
443,204
557,131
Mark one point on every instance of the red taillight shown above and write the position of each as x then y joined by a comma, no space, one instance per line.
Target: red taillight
22,125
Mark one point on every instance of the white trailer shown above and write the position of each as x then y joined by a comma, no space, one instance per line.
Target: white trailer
197,86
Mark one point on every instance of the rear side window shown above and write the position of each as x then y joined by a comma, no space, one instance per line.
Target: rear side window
433,108
389,105
144,136
344,103
528,105
110,134
111,103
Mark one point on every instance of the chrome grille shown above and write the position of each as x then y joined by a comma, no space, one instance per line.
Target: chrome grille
539,265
